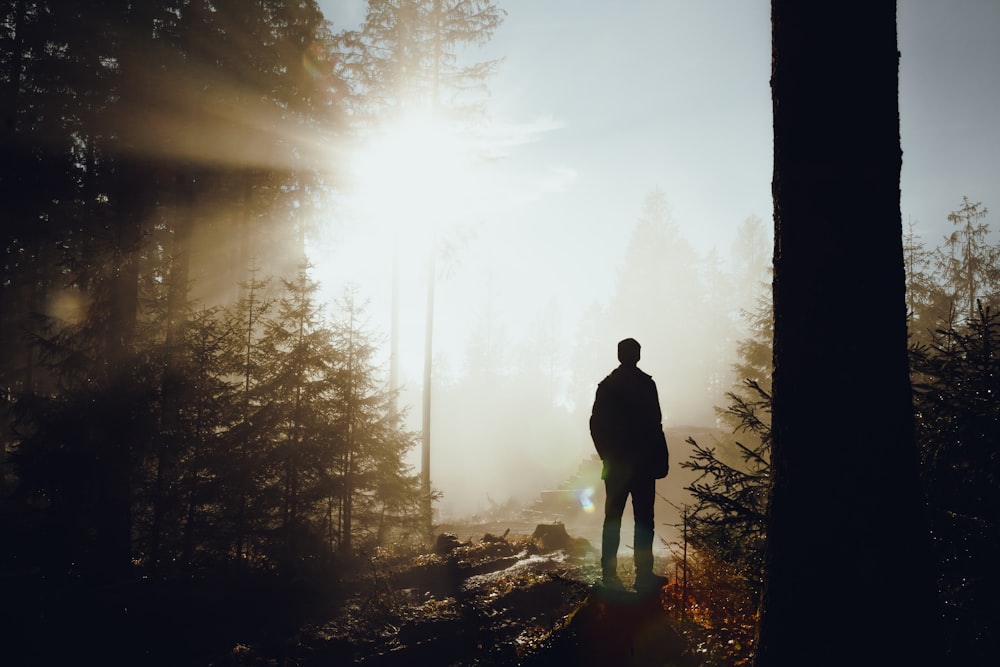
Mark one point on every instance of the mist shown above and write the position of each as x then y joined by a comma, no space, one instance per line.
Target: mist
574,220
262,257
610,207
520,347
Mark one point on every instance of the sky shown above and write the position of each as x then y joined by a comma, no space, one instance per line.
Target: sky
602,107
599,103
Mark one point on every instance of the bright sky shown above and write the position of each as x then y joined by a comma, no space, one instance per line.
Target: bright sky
611,101
600,102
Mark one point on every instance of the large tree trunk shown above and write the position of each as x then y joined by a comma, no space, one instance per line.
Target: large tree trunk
848,576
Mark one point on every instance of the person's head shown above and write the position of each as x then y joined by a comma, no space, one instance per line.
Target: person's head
628,351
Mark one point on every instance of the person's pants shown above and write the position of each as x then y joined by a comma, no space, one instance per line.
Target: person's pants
643,491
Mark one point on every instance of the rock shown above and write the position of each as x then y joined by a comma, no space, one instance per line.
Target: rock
446,543
553,537
490,537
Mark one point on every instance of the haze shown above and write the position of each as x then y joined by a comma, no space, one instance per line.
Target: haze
627,193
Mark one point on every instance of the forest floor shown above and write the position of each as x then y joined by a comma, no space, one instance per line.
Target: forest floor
499,600
504,600
516,588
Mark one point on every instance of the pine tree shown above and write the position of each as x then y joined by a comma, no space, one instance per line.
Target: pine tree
207,415
956,382
300,381
376,491
405,57
967,263
130,127
727,520
62,437
660,300
244,504
923,294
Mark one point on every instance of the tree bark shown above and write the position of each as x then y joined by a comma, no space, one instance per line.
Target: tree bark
848,574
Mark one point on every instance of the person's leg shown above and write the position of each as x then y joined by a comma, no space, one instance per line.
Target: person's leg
616,493
643,495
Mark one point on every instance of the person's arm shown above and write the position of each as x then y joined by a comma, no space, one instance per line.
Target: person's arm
656,403
600,428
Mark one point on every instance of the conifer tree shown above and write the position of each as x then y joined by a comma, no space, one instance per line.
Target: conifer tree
923,294
967,265
242,498
405,56
730,492
300,380
956,379
377,490
207,415
62,436
660,300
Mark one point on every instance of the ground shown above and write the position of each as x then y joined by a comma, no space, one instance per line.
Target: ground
501,600
516,588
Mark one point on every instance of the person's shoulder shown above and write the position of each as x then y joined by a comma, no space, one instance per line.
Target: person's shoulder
635,371
608,381
617,376
641,377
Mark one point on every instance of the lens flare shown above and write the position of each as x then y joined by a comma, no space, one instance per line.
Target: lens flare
584,496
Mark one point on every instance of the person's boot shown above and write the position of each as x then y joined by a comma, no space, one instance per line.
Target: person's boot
647,582
612,581
609,574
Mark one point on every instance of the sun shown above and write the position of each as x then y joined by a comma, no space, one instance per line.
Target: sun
413,177
410,187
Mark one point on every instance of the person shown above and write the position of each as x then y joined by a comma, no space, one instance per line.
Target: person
626,426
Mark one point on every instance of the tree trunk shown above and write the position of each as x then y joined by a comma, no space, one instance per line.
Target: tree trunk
848,574
114,516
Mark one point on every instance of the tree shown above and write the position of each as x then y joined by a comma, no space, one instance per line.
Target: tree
404,63
956,379
727,521
375,492
243,513
405,56
967,264
751,259
101,204
719,312
301,381
723,573
129,128
923,295
844,502
67,476
660,300
208,411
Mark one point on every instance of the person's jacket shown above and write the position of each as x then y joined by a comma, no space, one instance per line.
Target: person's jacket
626,423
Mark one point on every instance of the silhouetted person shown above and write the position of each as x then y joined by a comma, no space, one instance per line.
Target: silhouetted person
626,427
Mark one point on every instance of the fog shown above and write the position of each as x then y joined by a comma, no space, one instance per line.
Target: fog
519,349
627,193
